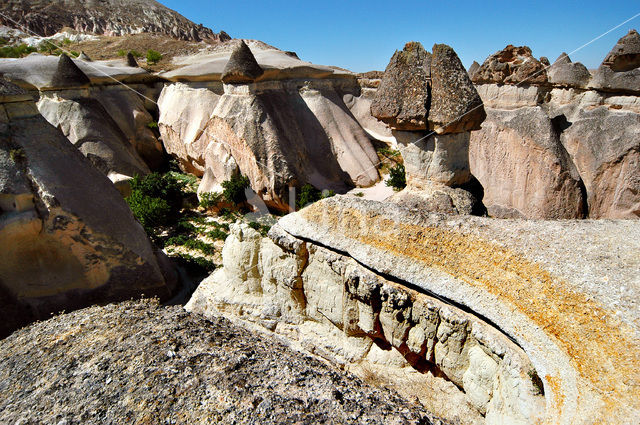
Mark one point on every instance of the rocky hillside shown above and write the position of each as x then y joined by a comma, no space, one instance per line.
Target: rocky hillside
140,363
113,17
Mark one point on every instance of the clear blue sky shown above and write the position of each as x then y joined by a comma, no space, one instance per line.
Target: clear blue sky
362,35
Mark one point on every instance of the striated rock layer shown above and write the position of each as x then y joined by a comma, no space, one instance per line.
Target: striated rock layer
528,318
67,238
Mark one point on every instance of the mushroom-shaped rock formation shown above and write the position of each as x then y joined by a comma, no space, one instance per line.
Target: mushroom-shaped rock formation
456,106
68,75
402,101
511,65
67,238
242,67
565,73
131,60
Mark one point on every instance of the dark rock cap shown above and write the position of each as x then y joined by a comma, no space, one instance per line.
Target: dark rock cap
131,60
563,58
625,55
456,105
84,57
511,65
68,74
242,66
403,96
473,68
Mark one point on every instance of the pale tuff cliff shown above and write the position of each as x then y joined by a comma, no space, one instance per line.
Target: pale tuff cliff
113,17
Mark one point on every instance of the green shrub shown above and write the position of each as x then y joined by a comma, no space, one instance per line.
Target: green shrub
309,194
233,189
397,178
66,42
262,228
191,262
16,51
122,52
3,41
153,57
389,153
359,194
217,234
152,124
156,200
135,53
210,199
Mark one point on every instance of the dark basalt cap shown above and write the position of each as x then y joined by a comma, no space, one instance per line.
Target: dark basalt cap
625,55
131,60
84,57
68,74
242,66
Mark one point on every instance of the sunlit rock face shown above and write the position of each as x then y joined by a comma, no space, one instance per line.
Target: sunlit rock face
67,238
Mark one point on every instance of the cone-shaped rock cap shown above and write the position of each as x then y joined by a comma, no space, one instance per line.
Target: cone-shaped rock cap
242,66
9,92
625,55
563,58
131,60
84,57
401,100
68,74
473,68
456,105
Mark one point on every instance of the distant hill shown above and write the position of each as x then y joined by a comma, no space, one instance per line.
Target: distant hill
104,17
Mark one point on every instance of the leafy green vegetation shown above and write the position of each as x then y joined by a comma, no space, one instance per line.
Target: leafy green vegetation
397,178
3,41
389,153
122,52
359,194
16,51
153,57
233,189
210,199
153,124
262,228
309,194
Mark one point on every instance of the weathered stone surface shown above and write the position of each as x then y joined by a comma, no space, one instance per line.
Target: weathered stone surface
473,68
625,55
523,167
507,96
153,362
68,75
67,238
547,284
456,106
329,304
242,67
565,73
605,79
131,60
402,98
511,65
219,167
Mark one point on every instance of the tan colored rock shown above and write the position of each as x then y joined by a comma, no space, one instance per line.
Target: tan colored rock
511,65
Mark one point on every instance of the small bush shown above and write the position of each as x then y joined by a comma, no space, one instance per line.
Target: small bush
262,228
397,178
3,41
16,51
309,194
150,212
217,234
152,125
153,57
210,199
122,52
66,42
389,153
359,194
234,189
135,53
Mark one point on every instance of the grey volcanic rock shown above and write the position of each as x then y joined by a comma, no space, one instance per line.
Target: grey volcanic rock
511,65
138,362
68,75
402,98
242,66
456,106
131,60
113,17
67,238
565,73
473,68
84,57
625,55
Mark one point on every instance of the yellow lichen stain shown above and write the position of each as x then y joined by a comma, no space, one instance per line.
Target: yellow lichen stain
602,348
554,384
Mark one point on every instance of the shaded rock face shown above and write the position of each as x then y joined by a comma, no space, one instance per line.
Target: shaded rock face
620,70
512,65
402,101
242,66
204,371
333,306
68,75
625,55
67,237
546,284
115,17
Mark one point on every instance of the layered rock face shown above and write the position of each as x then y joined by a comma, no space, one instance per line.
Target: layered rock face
115,17
560,143
523,316
431,106
278,120
67,238
107,121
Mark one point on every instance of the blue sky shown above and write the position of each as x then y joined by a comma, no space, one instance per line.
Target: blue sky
362,35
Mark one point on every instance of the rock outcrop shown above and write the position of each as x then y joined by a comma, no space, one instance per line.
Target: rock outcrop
115,17
431,105
282,128
160,363
67,238
511,65
565,147
524,316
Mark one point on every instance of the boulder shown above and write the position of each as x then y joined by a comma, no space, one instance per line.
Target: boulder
625,55
131,60
242,67
511,65
456,106
67,238
473,68
402,100
524,169
565,73
620,70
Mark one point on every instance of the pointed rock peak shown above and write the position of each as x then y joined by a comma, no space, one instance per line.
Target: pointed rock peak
455,104
131,60
545,61
563,58
242,66
84,57
68,74
625,55
473,68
